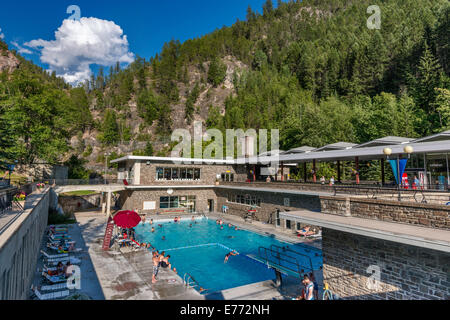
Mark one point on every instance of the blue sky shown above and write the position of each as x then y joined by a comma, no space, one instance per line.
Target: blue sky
146,24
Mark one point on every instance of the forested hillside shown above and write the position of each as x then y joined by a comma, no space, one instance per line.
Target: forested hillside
312,69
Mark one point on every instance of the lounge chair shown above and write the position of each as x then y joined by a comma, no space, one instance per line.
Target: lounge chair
54,256
57,243
317,235
51,295
54,262
59,286
65,249
57,237
54,279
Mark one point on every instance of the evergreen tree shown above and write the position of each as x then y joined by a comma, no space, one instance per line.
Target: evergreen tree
110,129
217,72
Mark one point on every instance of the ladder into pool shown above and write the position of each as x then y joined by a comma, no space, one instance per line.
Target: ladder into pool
283,261
190,282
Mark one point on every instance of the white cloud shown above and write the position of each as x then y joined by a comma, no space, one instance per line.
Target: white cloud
79,44
2,35
21,49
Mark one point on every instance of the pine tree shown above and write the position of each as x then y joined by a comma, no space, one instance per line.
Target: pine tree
110,129
148,149
428,78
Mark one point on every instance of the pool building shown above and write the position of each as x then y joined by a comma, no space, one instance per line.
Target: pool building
383,239
392,234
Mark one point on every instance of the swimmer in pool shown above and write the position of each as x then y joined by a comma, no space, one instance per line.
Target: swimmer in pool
232,253
153,230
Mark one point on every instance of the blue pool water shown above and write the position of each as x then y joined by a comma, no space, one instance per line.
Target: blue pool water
200,251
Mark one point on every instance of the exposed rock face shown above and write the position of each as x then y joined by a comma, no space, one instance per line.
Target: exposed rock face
8,62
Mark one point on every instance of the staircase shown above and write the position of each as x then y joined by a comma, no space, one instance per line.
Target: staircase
108,234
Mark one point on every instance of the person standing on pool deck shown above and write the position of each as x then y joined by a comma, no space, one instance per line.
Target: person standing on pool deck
232,253
309,288
155,266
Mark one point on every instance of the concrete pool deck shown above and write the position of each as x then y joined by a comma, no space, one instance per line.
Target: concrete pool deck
127,275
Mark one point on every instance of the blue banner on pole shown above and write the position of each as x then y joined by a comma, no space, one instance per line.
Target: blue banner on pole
402,166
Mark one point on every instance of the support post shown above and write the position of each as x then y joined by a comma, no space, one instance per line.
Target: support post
108,204
383,174
339,178
103,203
282,171
357,170
314,172
305,172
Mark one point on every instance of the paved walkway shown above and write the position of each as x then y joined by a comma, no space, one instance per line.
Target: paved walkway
127,276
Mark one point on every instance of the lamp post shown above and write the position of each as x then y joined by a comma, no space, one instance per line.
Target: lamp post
11,168
388,152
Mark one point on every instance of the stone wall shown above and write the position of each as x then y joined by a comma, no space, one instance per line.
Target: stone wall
208,173
134,199
270,202
71,204
19,248
427,215
406,272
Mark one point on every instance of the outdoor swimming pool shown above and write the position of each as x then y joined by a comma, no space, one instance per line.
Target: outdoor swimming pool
200,250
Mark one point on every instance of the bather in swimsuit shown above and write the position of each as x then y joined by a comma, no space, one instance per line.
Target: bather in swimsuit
155,270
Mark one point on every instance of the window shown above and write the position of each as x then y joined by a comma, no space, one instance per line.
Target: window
167,173
164,202
175,175
227,177
159,173
178,173
288,224
247,200
190,174
183,173
176,202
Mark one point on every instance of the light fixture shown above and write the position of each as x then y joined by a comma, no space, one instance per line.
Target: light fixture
170,191
387,151
408,149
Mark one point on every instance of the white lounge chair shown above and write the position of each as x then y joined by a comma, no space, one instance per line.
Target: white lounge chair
51,295
317,235
54,262
54,256
59,286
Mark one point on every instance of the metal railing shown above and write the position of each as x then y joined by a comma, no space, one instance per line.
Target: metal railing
8,205
280,261
190,282
80,182
295,253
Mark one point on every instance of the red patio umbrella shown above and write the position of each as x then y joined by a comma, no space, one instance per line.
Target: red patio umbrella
127,219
